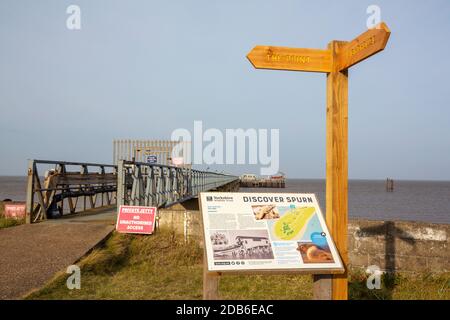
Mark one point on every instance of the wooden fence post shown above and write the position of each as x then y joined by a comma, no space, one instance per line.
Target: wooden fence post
210,282
322,286
30,192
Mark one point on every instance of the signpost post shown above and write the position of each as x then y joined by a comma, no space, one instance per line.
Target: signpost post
335,61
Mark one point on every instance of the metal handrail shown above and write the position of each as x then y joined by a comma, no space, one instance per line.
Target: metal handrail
71,163
159,185
64,186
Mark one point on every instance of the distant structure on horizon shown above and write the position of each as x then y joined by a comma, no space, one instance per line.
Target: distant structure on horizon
252,181
389,185
148,151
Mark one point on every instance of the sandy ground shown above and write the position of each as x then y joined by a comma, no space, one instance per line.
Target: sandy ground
31,254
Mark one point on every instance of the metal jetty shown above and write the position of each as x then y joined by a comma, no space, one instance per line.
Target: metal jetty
58,192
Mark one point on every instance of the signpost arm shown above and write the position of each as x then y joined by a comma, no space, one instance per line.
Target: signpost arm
337,166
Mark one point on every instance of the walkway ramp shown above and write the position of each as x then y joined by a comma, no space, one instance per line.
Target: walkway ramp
31,254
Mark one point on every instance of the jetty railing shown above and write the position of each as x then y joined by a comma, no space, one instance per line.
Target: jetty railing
162,185
54,188
57,187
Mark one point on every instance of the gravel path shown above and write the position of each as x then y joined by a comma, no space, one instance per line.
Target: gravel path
31,254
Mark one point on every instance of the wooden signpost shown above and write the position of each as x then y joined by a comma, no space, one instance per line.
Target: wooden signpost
335,61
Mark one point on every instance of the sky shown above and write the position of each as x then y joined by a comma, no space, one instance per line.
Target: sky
141,69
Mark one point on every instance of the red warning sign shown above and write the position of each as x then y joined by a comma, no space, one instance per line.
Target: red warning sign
14,210
136,219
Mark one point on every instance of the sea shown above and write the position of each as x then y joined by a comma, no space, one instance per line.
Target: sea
426,201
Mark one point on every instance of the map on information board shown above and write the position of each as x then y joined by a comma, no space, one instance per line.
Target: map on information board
266,231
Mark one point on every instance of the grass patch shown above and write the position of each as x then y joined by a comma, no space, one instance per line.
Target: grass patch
8,222
402,286
163,266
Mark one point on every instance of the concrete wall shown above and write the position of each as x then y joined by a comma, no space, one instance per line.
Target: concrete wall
394,245
187,223
391,245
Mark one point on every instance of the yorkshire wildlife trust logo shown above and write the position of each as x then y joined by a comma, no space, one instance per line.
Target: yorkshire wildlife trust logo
235,146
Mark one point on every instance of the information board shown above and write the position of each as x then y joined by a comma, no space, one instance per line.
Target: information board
266,231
